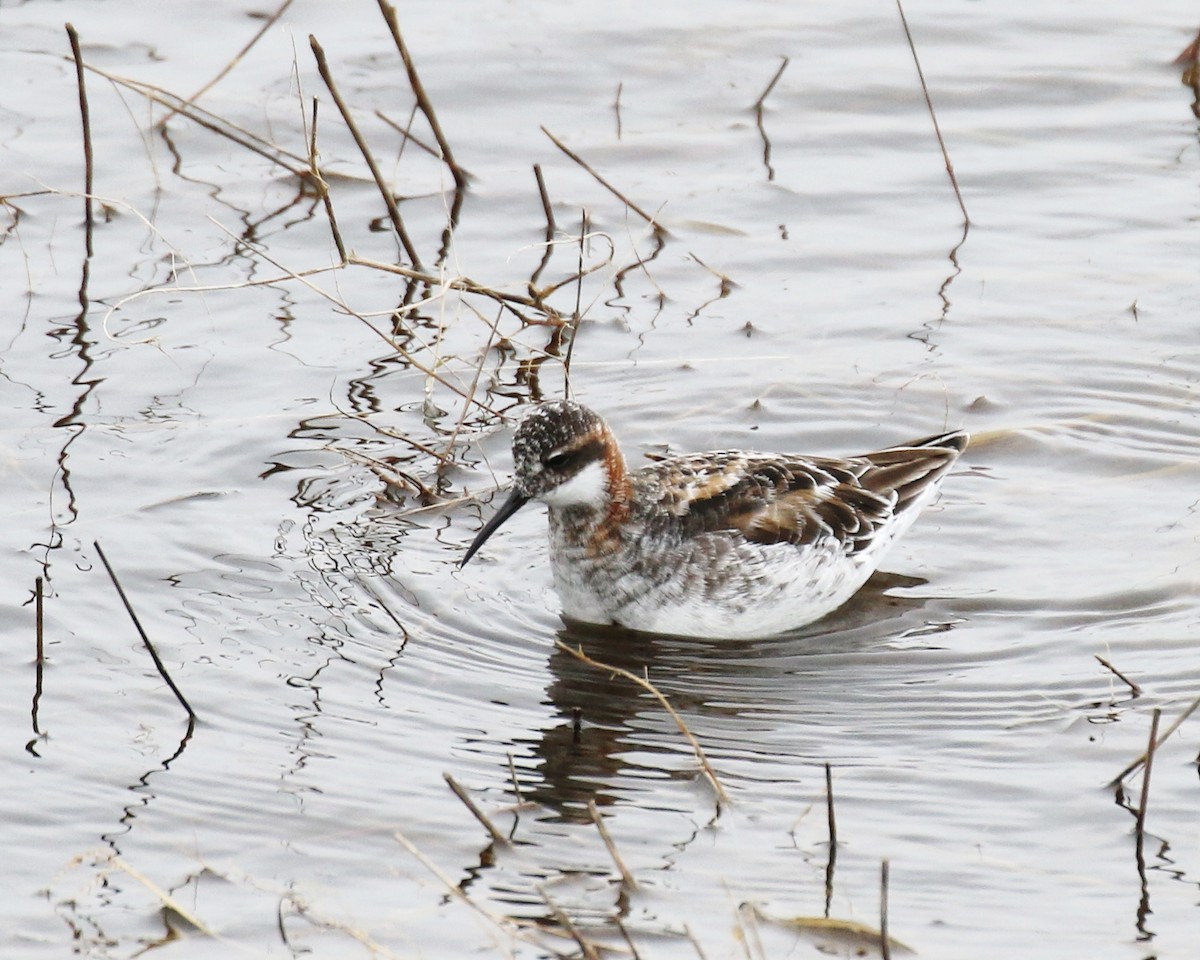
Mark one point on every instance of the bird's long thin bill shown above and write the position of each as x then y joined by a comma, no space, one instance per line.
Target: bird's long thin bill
510,506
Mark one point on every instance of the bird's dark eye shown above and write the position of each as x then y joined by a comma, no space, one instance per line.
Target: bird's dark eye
560,461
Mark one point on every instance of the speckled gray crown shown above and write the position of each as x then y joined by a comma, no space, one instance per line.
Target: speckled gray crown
546,428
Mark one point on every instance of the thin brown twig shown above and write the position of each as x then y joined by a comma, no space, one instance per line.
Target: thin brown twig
1134,688
478,814
617,107
364,148
627,878
162,670
89,221
423,101
937,130
604,183
709,773
268,23
1175,725
323,186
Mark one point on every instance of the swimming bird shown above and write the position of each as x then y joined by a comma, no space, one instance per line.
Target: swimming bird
720,544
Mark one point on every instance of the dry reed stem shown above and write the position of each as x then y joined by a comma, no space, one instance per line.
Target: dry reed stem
633,950
1175,725
504,924
162,670
478,814
88,158
695,943
937,130
423,101
589,949
627,878
1134,688
237,58
650,688
322,186
364,148
163,897
885,946
758,117
551,229
1145,797
658,228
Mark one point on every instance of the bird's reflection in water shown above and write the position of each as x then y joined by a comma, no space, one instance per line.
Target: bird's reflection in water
584,753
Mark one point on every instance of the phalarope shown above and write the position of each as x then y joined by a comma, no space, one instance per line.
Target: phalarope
721,544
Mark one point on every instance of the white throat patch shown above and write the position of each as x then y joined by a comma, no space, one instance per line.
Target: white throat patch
588,488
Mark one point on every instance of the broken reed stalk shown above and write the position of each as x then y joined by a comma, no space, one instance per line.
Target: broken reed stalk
885,947
85,116
388,199
658,228
627,878
551,228
617,107
1175,725
650,688
323,186
1133,687
268,23
422,98
937,130
478,814
758,117
589,949
162,670
1145,797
